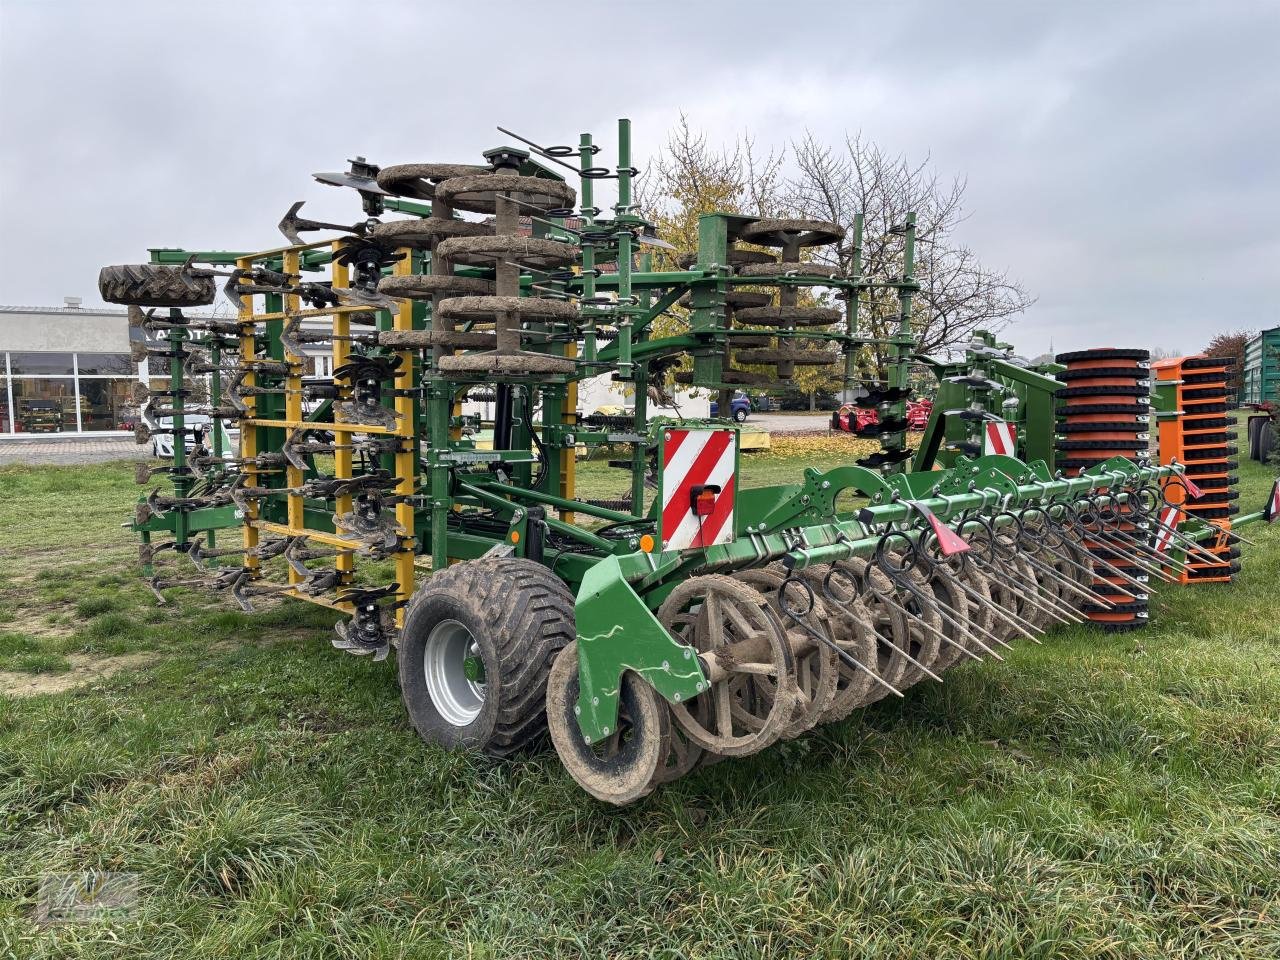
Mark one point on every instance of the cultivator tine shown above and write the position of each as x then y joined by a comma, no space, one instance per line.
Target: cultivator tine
293,225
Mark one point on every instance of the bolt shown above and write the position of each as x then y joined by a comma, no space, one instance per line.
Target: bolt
826,484
702,685
666,665
666,436
577,710
595,701
606,731
688,653
678,698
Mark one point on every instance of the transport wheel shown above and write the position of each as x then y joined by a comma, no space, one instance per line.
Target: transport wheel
478,642
740,416
150,285
625,766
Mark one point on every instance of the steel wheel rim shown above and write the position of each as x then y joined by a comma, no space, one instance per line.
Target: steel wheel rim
457,697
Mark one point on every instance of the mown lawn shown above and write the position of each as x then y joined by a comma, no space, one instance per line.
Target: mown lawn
1097,796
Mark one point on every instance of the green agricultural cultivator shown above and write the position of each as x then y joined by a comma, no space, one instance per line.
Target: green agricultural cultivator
689,620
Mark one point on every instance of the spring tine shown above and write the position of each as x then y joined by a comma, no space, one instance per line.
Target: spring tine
1187,542
983,602
1144,547
1065,581
906,656
1092,573
850,659
1113,571
912,660
970,627
1155,570
944,614
1009,618
1032,596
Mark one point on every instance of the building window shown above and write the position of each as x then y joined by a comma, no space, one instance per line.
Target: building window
105,364
44,404
66,393
106,404
42,364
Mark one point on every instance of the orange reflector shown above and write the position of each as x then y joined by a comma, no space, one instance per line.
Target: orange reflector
515,536
646,543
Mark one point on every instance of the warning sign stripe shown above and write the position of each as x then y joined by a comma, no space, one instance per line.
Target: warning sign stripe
1001,439
691,458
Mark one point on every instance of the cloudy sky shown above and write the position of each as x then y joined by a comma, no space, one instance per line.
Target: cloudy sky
1121,156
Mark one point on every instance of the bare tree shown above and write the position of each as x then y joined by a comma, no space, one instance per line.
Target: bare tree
958,293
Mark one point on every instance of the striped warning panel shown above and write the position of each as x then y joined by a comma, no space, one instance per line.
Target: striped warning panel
1002,439
692,459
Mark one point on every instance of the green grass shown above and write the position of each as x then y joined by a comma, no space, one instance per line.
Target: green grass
1096,796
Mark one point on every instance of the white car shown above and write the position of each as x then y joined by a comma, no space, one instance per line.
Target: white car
162,443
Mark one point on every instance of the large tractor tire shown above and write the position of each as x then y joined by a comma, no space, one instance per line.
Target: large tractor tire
1266,441
150,285
479,639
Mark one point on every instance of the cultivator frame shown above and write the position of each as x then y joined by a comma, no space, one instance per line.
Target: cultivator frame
703,620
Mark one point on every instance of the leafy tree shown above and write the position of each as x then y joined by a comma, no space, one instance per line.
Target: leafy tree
1231,345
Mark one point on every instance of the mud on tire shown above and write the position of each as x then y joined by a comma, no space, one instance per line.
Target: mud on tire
151,285
519,616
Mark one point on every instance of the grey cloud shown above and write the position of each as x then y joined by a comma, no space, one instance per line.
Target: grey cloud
1120,157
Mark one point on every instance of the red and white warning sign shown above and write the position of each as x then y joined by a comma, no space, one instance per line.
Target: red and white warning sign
1002,439
1169,518
1271,512
699,473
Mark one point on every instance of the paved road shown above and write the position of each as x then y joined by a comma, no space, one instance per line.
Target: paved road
103,449
71,450
790,422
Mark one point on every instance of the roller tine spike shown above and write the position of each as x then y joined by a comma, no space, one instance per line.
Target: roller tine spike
907,656
937,607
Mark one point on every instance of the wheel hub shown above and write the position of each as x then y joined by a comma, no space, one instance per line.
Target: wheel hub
454,672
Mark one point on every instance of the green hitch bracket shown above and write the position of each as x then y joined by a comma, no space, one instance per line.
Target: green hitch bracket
617,633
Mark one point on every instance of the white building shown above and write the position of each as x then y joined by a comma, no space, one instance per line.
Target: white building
66,370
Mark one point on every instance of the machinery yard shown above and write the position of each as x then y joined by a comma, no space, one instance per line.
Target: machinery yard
836,515
277,802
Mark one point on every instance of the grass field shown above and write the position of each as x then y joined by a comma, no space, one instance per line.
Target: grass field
1097,796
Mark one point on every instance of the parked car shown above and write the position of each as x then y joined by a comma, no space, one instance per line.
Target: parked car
162,443
739,407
